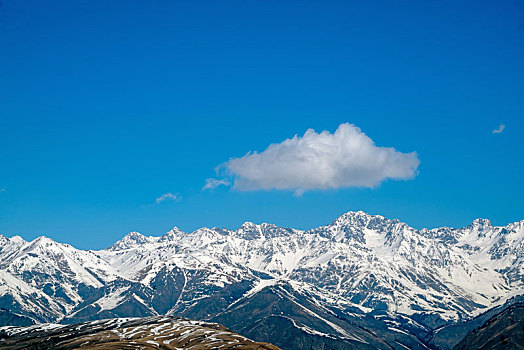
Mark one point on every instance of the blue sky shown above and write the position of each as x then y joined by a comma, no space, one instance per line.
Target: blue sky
106,106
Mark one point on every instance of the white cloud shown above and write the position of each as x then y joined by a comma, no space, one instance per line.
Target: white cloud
499,130
346,158
168,197
212,183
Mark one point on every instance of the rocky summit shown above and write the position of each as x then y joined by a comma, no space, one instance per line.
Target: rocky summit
363,281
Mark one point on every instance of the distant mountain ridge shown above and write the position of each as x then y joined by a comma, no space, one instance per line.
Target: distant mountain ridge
363,279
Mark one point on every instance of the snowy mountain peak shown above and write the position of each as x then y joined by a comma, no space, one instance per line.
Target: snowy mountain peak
357,218
17,239
481,224
172,235
130,240
352,226
248,225
42,241
249,230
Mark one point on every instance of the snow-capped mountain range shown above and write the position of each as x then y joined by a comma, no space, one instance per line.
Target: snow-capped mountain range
359,278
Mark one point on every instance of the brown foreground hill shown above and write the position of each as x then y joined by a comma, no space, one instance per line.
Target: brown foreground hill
128,333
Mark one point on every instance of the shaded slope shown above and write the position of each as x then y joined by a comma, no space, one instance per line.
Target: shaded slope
503,331
447,337
294,320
